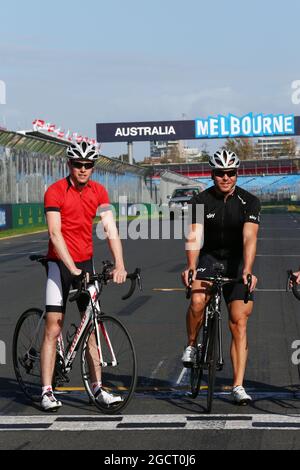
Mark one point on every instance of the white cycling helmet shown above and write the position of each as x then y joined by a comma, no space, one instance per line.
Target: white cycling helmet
82,151
223,160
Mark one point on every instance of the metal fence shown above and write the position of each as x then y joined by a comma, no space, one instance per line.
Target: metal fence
29,166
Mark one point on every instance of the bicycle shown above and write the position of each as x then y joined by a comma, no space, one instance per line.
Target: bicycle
209,353
104,340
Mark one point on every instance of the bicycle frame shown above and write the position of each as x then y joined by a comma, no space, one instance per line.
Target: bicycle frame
91,315
213,309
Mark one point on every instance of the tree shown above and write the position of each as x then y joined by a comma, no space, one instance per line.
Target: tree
289,148
242,147
205,156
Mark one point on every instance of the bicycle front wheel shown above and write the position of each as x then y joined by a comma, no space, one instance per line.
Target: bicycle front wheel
211,360
27,341
114,364
196,374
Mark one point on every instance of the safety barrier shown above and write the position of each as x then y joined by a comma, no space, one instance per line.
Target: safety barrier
17,216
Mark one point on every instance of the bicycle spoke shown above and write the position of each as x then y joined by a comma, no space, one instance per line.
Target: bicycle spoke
117,378
26,353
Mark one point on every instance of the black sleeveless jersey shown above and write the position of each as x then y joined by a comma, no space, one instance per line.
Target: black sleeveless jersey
224,221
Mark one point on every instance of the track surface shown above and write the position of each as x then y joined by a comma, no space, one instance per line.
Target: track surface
161,415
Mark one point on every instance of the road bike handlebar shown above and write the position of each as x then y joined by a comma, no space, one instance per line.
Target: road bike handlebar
221,280
107,276
103,278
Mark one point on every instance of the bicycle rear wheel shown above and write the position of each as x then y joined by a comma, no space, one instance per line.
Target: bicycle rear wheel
117,378
27,341
211,360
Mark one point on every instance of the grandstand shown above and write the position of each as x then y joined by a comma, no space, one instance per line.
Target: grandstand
278,166
276,180
268,188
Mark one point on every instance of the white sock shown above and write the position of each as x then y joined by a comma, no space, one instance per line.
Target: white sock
47,388
96,386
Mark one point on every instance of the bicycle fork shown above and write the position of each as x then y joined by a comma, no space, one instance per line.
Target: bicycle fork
216,312
220,360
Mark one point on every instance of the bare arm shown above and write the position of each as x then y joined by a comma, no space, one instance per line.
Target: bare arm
250,232
54,229
192,249
115,245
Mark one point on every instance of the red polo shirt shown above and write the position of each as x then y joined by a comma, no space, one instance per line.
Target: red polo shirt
78,209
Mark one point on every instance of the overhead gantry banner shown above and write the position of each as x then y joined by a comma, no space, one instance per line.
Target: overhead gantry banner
213,127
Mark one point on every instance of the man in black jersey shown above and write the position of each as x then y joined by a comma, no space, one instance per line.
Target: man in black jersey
231,222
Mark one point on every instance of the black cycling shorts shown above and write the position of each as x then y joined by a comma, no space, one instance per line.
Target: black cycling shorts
233,269
59,283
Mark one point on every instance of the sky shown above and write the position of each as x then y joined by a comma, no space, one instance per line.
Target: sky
77,63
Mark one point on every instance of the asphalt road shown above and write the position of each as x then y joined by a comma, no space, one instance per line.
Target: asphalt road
161,415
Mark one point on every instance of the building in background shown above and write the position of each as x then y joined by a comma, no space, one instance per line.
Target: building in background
168,150
274,147
172,152
191,155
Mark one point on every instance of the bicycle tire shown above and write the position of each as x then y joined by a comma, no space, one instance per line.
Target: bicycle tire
27,362
196,374
211,360
119,379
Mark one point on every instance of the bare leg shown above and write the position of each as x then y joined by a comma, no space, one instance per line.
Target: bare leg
195,313
239,313
93,360
53,327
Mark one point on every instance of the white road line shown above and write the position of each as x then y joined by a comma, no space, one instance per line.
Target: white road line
182,374
279,239
149,422
270,290
155,371
278,256
181,289
16,254
279,228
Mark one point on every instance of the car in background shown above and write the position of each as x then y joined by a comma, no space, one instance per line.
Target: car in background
178,202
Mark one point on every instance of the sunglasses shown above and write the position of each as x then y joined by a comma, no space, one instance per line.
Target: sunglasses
79,165
222,173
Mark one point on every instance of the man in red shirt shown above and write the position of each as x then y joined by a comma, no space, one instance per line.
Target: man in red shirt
70,207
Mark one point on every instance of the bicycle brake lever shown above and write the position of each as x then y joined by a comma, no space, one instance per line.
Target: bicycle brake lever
139,279
248,293
189,288
82,288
